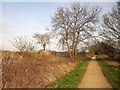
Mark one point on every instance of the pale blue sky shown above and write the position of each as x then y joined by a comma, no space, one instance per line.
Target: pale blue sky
27,18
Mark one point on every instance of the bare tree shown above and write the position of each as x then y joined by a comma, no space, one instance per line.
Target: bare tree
112,25
43,39
74,25
23,44
112,21
111,30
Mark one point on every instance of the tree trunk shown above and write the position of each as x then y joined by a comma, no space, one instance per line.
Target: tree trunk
68,46
44,46
73,52
76,44
69,51
73,44
76,51
44,49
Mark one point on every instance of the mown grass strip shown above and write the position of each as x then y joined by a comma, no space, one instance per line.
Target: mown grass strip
72,79
112,74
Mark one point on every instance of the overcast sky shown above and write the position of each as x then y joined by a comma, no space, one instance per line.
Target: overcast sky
27,18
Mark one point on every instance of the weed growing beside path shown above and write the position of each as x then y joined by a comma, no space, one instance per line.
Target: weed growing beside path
72,79
112,74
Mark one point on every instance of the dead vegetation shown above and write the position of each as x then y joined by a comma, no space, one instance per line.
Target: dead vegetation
36,70
114,64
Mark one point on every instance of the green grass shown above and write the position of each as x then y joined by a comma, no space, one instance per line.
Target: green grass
72,79
112,74
60,57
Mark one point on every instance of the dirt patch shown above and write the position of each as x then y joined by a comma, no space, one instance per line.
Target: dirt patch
35,70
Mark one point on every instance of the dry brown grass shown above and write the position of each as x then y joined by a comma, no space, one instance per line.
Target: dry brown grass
115,64
35,70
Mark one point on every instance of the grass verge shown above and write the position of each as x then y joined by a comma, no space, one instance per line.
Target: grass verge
72,79
112,74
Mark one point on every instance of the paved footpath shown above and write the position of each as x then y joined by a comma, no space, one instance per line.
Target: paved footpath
94,77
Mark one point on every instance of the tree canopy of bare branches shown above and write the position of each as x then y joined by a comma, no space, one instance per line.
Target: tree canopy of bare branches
43,39
112,21
23,44
74,25
110,32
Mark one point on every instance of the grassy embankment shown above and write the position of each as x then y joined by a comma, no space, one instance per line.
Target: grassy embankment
72,79
112,74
